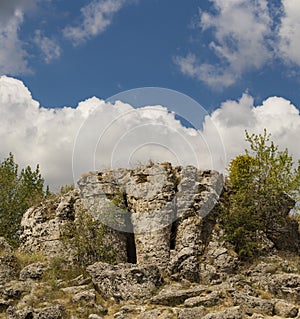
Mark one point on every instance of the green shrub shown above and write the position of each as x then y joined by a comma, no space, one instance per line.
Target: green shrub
263,182
87,238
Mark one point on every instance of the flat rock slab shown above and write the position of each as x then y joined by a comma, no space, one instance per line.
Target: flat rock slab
172,295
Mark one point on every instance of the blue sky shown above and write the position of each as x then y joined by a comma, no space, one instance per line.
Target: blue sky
138,47
239,59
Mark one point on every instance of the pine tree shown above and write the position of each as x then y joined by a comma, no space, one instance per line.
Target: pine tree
18,192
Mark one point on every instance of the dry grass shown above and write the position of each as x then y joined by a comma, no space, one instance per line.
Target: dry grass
24,259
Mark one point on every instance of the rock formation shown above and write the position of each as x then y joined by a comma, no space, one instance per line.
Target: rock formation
171,260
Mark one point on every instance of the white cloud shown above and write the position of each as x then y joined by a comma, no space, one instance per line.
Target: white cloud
97,134
94,135
240,29
276,114
49,47
8,8
213,75
13,57
246,36
289,31
96,17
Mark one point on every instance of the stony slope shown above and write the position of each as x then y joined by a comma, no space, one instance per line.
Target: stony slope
171,259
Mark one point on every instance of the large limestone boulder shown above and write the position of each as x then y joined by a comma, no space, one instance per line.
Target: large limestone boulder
125,281
41,226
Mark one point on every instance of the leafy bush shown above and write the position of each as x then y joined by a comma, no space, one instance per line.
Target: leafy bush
263,182
86,237
18,192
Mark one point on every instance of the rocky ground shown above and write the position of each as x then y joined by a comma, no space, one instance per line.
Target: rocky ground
31,287
183,271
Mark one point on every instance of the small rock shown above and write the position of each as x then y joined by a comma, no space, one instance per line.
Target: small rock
191,313
8,267
53,312
208,301
5,247
85,296
13,313
94,316
286,310
229,313
254,304
74,289
158,314
33,271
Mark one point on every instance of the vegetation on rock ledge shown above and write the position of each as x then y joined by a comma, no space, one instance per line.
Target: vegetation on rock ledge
263,188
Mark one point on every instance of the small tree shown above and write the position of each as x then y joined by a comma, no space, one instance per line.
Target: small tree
263,182
18,191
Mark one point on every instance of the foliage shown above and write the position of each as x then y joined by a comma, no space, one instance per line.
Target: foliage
18,192
263,182
66,188
86,237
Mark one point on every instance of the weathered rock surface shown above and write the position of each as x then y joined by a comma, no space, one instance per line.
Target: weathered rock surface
53,312
159,204
33,271
41,226
8,263
172,260
125,281
285,309
285,286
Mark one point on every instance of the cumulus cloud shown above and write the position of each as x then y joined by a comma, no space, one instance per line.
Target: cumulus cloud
278,115
96,17
96,134
240,30
246,35
49,47
289,31
13,57
67,142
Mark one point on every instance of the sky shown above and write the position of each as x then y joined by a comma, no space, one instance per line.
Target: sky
88,85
